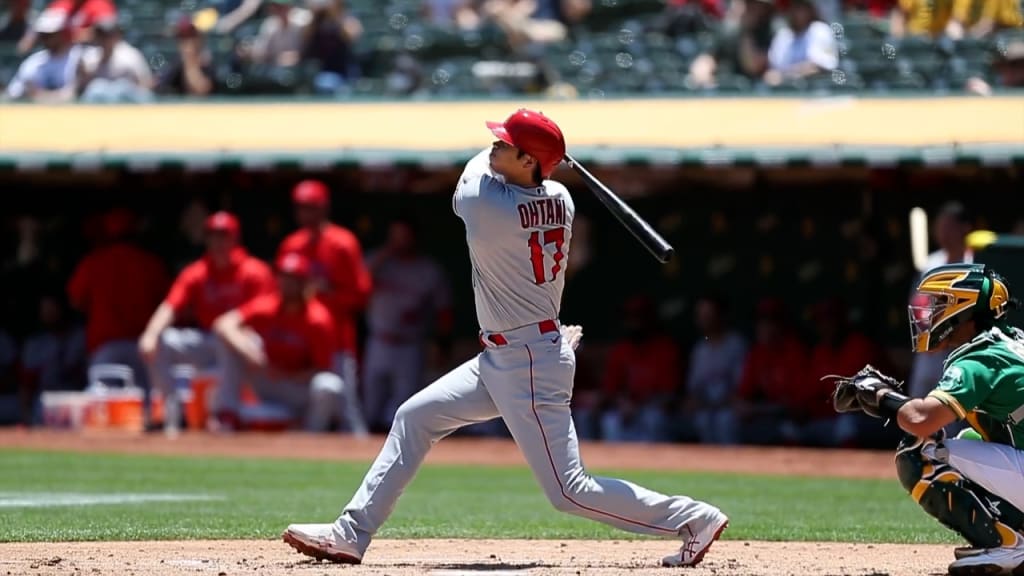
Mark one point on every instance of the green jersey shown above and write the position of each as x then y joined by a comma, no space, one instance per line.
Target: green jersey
983,383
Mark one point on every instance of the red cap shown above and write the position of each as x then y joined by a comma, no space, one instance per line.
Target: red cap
311,192
223,222
535,134
293,263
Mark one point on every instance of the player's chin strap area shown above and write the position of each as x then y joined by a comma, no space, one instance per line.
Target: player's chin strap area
983,519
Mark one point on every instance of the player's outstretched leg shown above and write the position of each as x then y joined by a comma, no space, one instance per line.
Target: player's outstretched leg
456,400
970,497
536,410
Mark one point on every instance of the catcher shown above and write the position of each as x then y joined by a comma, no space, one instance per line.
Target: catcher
973,484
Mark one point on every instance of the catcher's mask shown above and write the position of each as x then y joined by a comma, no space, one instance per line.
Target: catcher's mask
950,295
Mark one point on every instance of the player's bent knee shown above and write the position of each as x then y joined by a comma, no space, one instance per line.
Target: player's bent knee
949,497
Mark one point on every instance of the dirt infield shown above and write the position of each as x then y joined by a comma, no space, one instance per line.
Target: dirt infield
454,557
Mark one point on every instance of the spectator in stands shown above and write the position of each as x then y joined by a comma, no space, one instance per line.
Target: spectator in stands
949,231
686,18
411,299
53,357
117,285
840,349
805,47
16,24
114,70
329,41
81,15
772,392
640,378
49,74
953,18
230,14
281,345
192,74
178,334
743,51
452,13
339,277
535,21
716,365
279,41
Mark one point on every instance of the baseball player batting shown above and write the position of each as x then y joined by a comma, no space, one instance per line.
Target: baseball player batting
973,484
518,227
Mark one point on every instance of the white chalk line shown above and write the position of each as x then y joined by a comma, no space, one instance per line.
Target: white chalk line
56,499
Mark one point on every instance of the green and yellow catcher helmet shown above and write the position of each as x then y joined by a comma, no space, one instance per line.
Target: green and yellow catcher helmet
950,295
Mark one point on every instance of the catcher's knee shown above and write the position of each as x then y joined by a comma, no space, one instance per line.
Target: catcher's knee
955,501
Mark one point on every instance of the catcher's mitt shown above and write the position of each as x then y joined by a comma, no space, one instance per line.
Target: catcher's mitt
859,393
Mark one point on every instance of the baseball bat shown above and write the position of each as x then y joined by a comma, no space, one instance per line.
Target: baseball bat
639,227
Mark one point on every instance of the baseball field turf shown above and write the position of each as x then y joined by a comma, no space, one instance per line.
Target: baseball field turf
51,496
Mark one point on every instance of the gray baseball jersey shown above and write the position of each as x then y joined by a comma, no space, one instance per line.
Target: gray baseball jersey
518,243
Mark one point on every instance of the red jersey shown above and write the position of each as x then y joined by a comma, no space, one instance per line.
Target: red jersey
642,371
775,374
87,14
117,287
292,341
204,291
339,272
847,358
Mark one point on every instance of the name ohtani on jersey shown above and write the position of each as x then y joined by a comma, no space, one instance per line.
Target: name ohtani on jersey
545,212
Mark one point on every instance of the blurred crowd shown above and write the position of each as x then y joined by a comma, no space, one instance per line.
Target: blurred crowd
134,50
324,337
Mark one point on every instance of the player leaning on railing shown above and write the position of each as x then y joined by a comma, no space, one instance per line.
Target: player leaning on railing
973,484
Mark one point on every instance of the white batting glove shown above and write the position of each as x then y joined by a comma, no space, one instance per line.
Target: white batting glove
573,334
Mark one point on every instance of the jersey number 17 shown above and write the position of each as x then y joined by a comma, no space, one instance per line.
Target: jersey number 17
554,236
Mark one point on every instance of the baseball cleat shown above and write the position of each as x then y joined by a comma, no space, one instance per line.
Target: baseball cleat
1006,561
966,551
318,541
698,536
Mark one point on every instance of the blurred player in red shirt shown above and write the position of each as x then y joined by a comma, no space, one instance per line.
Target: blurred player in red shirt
840,350
772,391
641,376
178,340
117,286
339,276
281,344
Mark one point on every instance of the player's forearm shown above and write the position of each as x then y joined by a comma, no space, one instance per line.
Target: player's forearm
160,321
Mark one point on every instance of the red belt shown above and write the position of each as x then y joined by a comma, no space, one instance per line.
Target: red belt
544,326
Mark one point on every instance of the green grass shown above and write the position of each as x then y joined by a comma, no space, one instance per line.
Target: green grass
257,498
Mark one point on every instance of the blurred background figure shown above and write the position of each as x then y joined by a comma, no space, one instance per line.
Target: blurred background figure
716,365
772,395
16,23
191,73
114,70
49,74
281,345
178,340
279,41
411,301
840,349
805,47
740,50
117,286
340,280
535,21
329,41
950,227
641,377
53,357
80,16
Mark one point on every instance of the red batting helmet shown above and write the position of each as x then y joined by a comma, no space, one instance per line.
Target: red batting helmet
223,222
311,193
535,134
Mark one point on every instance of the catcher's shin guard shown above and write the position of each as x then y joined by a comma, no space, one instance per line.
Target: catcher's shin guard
983,519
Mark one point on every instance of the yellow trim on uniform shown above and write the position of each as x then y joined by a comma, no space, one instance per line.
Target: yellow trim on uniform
1008,535
950,401
919,490
972,419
